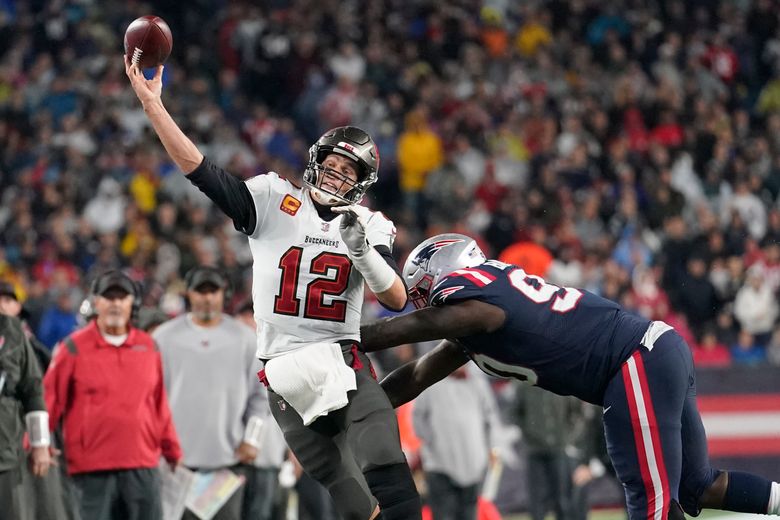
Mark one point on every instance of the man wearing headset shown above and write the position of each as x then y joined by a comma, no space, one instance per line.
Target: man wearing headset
210,370
105,383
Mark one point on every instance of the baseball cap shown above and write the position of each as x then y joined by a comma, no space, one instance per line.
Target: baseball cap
8,289
203,275
111,279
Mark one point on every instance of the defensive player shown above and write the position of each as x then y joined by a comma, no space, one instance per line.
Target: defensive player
570,342
312,256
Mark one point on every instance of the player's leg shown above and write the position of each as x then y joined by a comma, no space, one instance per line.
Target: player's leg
705,487
371,429
642,408
325,460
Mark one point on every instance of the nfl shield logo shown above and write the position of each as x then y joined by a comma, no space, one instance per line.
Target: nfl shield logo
325,226
282,404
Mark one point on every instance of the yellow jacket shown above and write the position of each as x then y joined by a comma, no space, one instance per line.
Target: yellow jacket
419,153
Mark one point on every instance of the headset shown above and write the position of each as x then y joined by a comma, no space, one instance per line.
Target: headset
227,285
137,292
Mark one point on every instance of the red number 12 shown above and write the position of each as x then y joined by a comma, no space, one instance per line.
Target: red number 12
314,306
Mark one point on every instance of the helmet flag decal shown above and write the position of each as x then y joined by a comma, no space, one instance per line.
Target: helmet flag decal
423,258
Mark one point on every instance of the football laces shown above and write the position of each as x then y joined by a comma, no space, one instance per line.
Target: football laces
136,56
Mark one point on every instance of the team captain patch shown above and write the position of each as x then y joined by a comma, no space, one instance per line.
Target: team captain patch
290,205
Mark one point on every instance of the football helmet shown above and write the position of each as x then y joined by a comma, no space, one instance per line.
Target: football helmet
351,142
434,259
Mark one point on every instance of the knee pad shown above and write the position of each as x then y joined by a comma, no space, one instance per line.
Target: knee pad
396,492
675,511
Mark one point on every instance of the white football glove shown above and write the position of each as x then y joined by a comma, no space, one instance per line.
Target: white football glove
353,227
375,270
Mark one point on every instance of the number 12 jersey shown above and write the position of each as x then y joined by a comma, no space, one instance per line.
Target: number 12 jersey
304,287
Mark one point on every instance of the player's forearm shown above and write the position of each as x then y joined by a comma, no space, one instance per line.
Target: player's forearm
180,148
407,382
394,331
395,296
399,385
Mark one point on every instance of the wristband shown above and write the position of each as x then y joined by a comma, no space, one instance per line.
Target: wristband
38,428
378,275
253,432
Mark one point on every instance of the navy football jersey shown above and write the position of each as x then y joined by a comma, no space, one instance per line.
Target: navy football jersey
565,340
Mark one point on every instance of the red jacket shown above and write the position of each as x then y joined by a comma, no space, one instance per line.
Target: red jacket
112,401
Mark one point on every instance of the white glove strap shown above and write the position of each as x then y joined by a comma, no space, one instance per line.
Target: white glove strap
38,428
253,432
378,274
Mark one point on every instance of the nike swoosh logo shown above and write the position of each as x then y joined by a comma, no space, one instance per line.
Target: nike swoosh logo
606,410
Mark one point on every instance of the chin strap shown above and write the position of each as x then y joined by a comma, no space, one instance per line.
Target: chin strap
38,428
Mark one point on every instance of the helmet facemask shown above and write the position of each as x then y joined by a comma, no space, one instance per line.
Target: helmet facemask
419,293
352,143
333,196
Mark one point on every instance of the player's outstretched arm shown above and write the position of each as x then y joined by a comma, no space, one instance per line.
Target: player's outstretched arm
149,91
407,382
448,321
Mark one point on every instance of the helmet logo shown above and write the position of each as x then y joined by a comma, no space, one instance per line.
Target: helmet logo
347,147
423,258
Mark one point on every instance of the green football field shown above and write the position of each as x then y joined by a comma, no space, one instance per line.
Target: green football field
618,514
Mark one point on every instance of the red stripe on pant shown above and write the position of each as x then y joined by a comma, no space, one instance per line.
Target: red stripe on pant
636,389
655,434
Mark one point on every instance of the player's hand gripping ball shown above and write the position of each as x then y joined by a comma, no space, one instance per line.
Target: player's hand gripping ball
148,41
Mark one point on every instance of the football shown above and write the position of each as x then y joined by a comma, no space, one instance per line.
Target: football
148,41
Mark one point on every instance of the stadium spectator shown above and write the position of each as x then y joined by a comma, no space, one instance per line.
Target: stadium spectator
755,306
709,352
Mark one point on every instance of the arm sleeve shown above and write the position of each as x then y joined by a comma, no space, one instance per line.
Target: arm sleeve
169,440
56,384
30,388
230,194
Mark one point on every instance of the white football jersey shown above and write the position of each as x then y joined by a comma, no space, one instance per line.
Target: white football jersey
304,287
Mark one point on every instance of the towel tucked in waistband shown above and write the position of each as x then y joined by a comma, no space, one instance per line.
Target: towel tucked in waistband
313,379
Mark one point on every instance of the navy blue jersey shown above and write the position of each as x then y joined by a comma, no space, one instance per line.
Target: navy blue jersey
565,340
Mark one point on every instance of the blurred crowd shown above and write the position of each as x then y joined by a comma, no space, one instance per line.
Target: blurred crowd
628,147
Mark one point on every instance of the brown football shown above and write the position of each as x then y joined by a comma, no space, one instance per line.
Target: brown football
148,41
